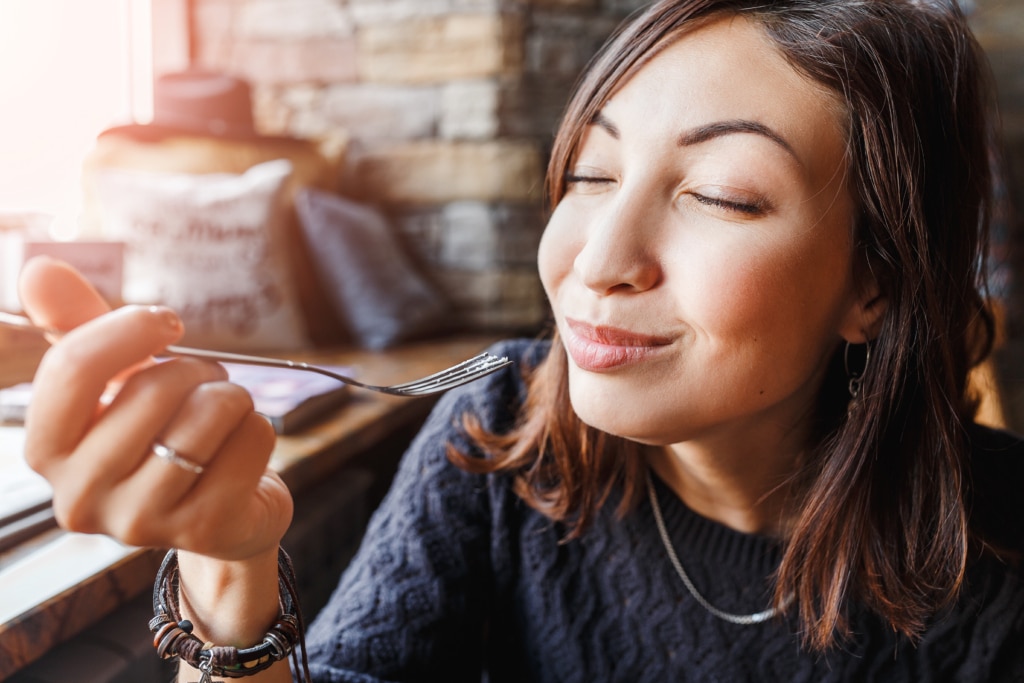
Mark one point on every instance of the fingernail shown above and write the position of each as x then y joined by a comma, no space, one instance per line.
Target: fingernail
168,317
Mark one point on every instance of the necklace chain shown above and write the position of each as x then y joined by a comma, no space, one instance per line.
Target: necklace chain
741,619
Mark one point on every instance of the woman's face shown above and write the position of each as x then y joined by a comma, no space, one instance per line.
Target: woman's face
700,266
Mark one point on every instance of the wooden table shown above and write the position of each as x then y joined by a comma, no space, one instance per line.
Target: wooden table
302,459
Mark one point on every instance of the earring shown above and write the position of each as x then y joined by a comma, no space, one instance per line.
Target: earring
856,378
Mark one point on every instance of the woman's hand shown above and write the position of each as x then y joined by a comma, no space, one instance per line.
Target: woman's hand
100,404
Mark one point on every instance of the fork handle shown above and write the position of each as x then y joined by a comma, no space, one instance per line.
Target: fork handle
226,357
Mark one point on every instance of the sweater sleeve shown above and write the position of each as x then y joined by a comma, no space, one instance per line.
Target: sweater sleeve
414,602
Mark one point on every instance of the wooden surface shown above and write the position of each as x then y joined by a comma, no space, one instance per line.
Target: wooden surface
19,355
302,459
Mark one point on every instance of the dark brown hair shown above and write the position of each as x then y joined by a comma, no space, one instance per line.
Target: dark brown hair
881,517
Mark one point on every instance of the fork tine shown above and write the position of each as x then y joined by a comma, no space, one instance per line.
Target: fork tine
473,369
461,367
484,366
467,366
464,372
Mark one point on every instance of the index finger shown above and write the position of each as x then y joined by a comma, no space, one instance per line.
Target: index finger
74,373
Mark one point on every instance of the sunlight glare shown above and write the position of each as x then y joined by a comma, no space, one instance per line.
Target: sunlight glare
63,76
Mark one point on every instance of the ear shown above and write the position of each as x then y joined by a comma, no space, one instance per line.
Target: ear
863,320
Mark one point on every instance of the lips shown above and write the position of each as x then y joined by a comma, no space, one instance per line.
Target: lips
601,348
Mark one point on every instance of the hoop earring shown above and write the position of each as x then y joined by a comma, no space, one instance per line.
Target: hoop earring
856,378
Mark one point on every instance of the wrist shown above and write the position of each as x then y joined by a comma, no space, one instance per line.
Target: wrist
229,602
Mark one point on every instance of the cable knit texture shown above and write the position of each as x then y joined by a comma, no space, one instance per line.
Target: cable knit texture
458,580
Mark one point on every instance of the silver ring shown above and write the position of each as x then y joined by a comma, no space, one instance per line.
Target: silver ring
169,455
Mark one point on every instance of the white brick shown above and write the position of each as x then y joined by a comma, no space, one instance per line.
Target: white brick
435,50
323,60
296,109
469,110
293,19
302,96
382,112
431,172
470,237
385,11
271,110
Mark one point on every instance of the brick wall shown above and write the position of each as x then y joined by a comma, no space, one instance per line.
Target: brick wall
449,106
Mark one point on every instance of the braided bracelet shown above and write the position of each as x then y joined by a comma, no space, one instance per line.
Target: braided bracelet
172,635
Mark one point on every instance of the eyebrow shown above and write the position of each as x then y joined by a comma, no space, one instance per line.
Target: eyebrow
709,131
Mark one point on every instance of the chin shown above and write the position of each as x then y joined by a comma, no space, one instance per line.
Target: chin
610,412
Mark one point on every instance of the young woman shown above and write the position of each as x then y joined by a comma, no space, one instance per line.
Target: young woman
746,454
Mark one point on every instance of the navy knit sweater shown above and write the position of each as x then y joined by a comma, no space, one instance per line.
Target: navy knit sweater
458,577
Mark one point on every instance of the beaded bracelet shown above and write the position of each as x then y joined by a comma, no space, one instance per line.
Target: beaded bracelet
172,635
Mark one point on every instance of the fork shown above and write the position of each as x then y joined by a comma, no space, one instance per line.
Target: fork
449,378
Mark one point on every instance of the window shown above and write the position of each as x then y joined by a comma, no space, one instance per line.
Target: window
69,69
63,78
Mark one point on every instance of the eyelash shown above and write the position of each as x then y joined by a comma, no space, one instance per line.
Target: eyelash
572,179
749,209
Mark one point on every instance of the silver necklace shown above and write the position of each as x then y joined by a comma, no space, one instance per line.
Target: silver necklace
741,619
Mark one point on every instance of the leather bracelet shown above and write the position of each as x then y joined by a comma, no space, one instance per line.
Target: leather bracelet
172,635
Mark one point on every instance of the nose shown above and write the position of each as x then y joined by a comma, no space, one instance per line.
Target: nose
620,251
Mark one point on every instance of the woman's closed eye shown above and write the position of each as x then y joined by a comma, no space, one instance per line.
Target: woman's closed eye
586,180
748,207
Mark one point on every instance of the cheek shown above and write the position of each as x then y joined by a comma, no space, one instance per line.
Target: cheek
555,253
757,291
